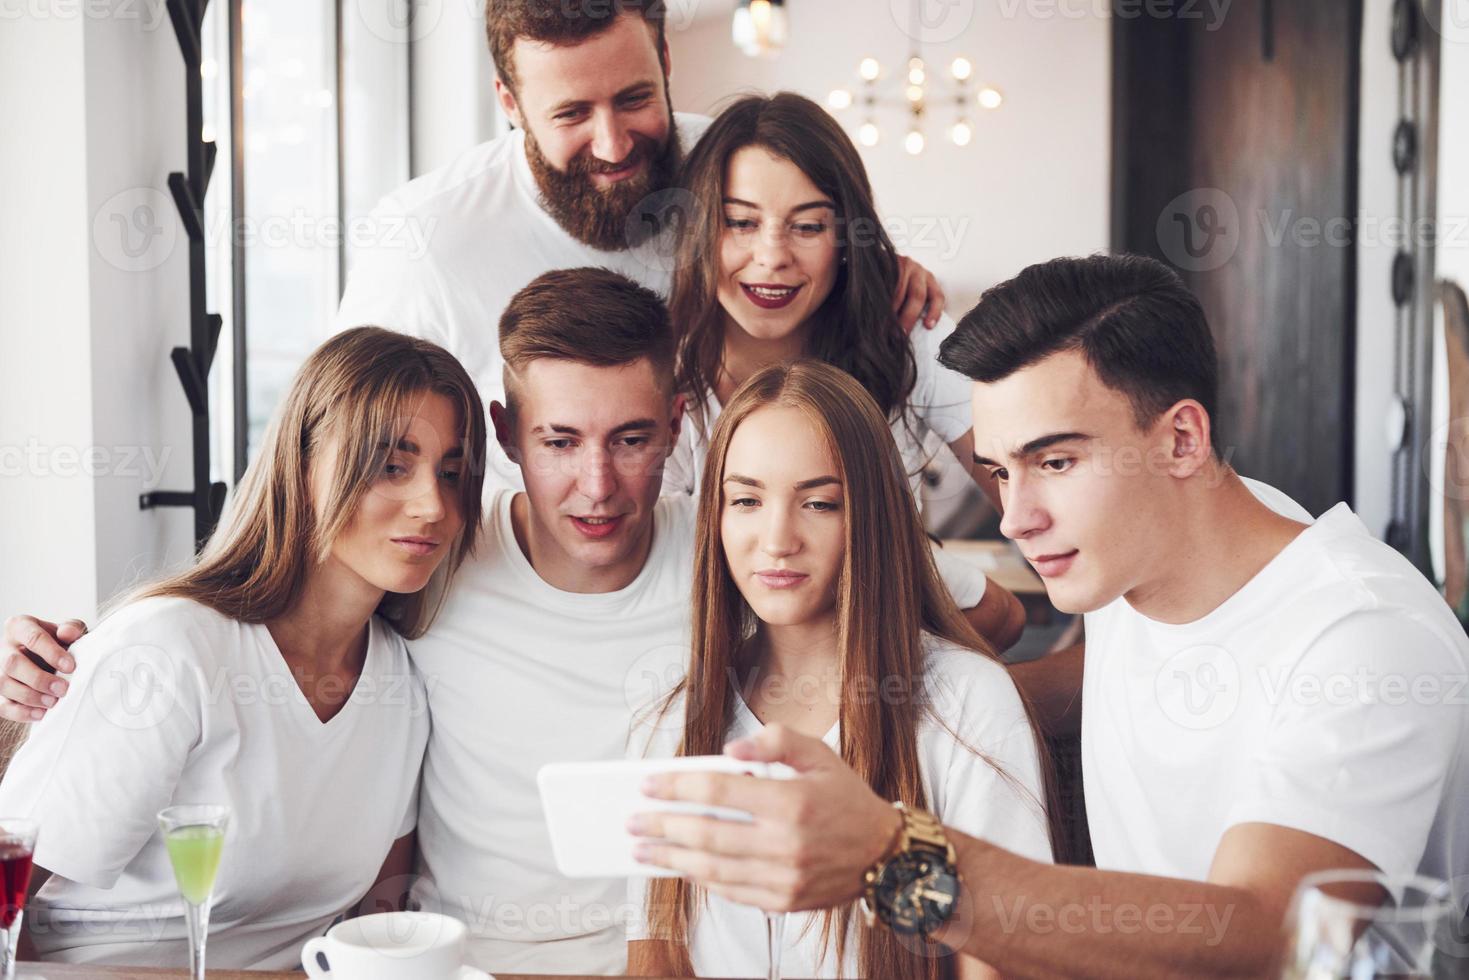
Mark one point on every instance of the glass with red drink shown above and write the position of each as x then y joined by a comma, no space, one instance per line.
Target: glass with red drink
17,846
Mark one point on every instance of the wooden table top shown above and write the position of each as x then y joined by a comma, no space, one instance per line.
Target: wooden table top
1003,564
68,971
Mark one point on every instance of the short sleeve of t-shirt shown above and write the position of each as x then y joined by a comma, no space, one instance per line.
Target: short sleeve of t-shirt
940,398
1361,741
991,785
965,580
97,769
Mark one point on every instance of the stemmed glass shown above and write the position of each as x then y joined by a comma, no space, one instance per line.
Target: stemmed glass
775,928
17,847
194,836
1333,934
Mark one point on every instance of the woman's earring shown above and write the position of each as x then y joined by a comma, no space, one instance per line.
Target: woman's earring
844,260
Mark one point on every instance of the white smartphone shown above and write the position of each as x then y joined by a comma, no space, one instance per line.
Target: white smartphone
588,805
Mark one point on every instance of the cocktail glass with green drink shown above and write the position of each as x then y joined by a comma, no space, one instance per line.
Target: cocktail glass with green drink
194,836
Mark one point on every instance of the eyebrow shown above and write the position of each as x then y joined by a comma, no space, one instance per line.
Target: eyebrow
410,447
635,89
634,425
811,484
809,205
1036,445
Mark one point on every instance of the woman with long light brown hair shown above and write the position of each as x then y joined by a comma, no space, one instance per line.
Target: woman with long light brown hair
816,605
271,677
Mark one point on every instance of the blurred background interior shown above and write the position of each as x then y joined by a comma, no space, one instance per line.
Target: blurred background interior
1292,159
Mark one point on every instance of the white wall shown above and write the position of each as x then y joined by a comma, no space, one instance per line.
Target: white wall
1033,184
90,409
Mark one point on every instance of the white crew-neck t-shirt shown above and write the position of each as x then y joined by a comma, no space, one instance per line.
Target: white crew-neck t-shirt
1327,695
938,411
453,246
173,703
973,697
520,674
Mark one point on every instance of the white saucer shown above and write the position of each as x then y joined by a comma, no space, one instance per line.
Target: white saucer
471,973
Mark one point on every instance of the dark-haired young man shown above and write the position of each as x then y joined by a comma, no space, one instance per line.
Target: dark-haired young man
584,179
1264,695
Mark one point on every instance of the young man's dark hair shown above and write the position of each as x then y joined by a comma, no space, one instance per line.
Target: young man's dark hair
560,22
1134,320
591,315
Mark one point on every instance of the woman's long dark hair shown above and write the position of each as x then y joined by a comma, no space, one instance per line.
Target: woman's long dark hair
855,328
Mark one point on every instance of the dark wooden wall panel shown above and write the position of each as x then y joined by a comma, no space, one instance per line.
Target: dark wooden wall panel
1267,134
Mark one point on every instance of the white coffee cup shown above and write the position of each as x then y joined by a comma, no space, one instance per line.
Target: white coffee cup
389,946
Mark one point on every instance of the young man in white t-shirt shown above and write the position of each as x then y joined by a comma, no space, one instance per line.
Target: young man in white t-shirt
572,613
584,179
1264,696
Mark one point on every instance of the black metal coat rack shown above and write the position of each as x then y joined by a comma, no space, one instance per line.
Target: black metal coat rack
192,363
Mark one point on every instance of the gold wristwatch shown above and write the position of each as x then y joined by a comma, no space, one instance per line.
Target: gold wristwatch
913,889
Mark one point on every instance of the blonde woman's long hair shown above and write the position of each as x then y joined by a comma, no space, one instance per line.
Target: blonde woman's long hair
360,388
889,594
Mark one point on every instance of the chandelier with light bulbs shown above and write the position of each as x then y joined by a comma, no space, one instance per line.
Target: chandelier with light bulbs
760,27
918,99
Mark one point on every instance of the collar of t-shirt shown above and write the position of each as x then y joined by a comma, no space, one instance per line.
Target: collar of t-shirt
746,724
1281,575
520,565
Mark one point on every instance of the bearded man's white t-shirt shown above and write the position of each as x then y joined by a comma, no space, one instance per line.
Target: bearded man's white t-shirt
457,244
937,412
980,769
520,674
1327,695
174,703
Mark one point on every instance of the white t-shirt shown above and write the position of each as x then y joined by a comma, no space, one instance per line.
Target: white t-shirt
173,703
521,674
458,243
973,697
1326,695
938,411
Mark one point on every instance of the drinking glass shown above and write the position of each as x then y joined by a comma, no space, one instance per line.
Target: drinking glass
775,928
194,836
1333,932
17,846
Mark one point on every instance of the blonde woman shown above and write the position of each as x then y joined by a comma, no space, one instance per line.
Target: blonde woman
816,606
271,677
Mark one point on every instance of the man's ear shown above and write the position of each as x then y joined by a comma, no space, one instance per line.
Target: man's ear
1188,438
504,430
675,422
508,104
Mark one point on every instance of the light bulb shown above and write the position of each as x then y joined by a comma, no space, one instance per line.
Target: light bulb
868,135
961,68
913,142
961,134
915,93
839,98
916,74
990,98
869,69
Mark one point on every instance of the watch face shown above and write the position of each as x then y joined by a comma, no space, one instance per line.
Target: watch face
916,893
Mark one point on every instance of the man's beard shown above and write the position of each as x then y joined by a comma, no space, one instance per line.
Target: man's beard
607,218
